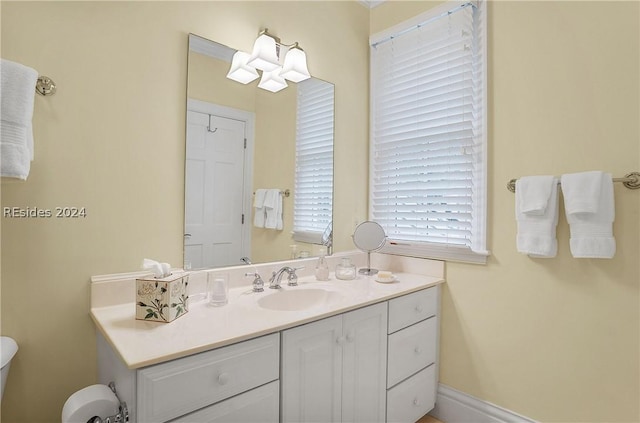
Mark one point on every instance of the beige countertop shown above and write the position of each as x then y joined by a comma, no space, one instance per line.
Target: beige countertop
142,343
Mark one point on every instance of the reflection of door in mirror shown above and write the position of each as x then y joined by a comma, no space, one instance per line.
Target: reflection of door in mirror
273,160
216,190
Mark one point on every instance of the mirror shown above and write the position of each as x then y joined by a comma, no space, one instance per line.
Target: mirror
369,236
242,140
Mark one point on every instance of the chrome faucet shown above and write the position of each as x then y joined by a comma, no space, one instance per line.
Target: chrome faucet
292,278
258,283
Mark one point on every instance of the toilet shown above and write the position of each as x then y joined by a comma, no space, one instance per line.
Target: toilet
8,349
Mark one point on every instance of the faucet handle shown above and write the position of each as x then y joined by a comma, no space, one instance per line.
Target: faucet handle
292,279
258,283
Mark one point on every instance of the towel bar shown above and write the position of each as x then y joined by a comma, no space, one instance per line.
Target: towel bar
285,193
630,180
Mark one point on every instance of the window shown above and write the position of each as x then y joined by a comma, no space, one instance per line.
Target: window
428,146
313,199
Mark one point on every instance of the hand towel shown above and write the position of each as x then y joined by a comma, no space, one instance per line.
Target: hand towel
581,191
17,90
591,232
533,193
273,209
259,211
537,232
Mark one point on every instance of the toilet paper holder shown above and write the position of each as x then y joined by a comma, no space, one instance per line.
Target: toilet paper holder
122,416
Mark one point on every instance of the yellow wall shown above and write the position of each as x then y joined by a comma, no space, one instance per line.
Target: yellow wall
112,140
207,81
274,167
558,339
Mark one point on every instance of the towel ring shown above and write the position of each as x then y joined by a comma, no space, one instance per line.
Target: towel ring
45,86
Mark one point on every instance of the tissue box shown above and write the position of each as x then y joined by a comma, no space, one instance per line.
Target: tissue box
162,300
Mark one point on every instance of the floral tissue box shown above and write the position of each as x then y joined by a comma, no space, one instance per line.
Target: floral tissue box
162,300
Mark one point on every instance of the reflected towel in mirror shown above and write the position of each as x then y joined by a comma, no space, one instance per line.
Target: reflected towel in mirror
273,209
259,211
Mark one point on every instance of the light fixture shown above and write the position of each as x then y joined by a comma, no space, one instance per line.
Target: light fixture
295,65
272,81
267,56
240,71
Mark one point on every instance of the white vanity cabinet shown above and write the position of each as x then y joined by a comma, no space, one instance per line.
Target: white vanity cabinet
334,369
413,335
377,363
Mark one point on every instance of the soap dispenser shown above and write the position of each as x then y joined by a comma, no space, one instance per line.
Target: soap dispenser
322,268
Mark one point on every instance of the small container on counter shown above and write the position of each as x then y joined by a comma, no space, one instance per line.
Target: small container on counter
346,270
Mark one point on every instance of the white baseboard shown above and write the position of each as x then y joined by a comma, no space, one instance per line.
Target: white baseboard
453,406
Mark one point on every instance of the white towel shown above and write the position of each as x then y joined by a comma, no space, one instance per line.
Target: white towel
591,232
273,209
258,205
537,232
17,90
533,193
581,191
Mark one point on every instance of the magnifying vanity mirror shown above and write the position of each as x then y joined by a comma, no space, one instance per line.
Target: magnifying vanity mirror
369,236
242,139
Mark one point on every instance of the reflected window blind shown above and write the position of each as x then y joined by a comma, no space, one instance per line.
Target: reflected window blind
428,182
313,199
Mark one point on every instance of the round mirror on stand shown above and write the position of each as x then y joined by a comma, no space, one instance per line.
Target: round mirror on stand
369,236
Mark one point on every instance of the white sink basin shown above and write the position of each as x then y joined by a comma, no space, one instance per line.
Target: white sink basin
298,299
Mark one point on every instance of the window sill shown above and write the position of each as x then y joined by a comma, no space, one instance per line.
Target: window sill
453,254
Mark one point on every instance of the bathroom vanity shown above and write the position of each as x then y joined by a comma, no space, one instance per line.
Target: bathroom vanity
341,351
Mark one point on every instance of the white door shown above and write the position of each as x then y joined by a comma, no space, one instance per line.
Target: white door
311,372
214,190
364,365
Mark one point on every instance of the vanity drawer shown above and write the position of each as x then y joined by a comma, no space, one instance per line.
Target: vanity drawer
258,405
178,387
410,350
413,398
410,309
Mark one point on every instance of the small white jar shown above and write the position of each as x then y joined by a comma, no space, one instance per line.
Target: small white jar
346,270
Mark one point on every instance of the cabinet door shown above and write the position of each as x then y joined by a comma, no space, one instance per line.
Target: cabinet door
311,372
258,405
364,364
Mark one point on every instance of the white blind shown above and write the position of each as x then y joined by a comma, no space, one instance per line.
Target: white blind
428,182
313,195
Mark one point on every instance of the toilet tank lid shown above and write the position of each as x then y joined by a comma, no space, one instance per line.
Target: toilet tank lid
8,349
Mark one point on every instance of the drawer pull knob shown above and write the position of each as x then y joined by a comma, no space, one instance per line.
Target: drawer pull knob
416,402
419,308
223,379
350,337
340,340
418,350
